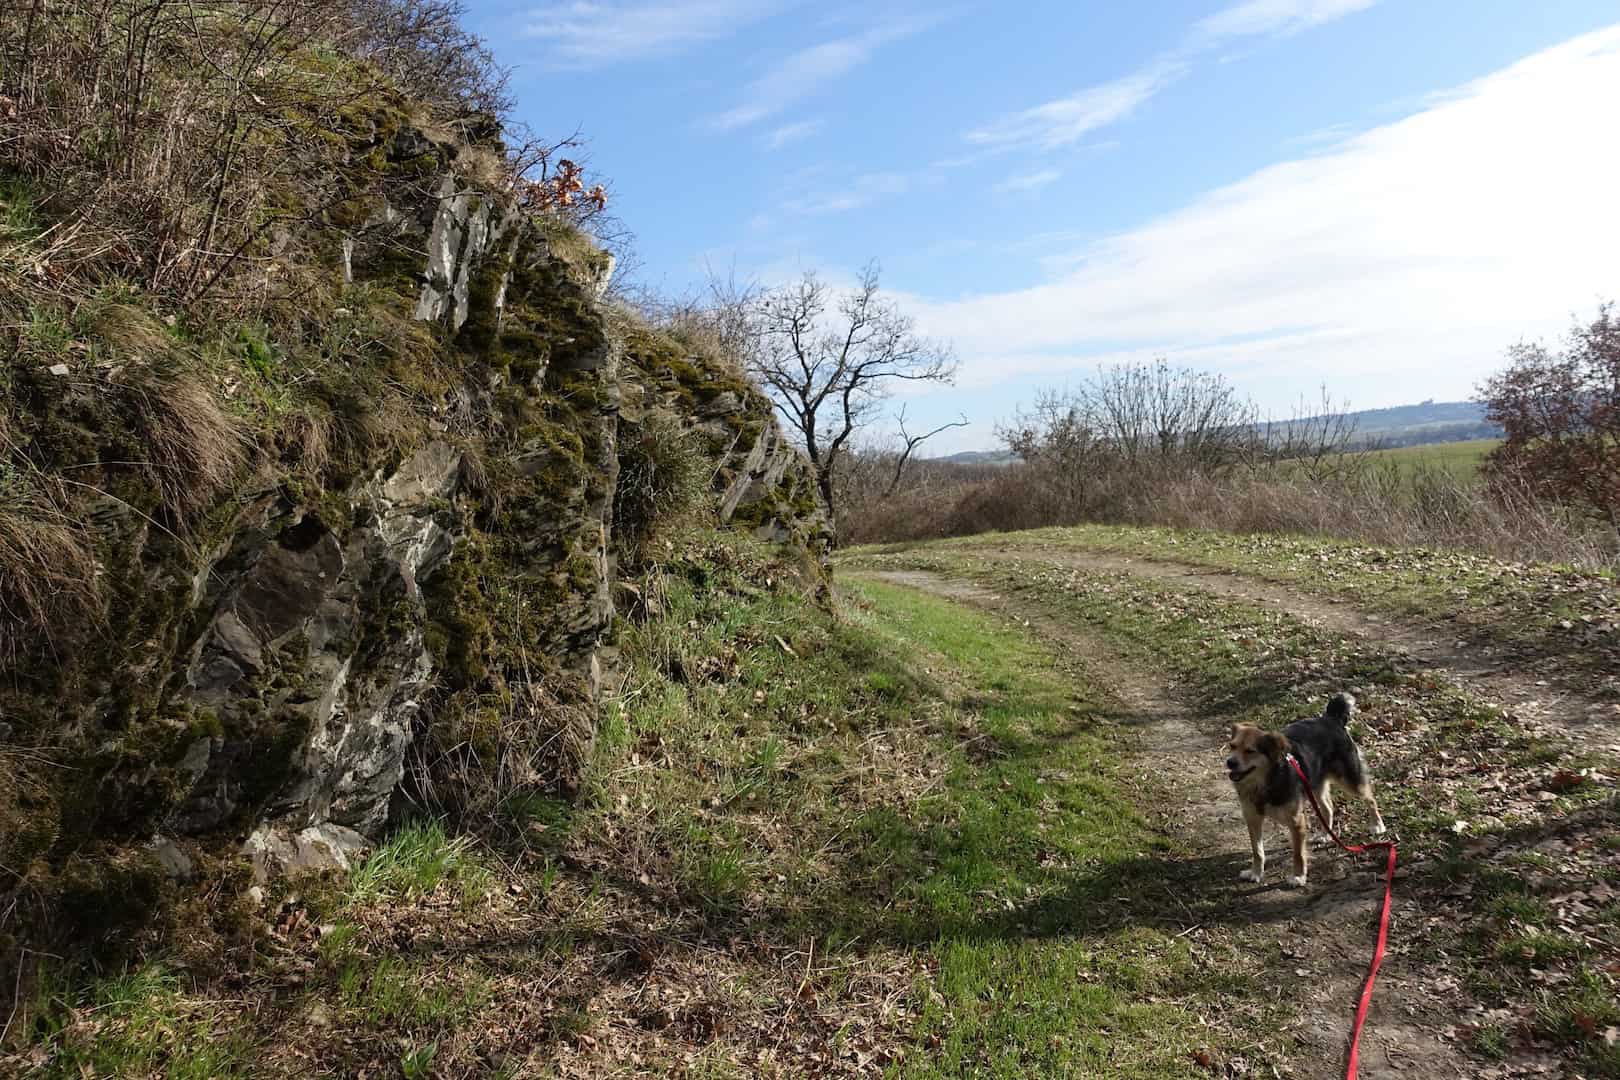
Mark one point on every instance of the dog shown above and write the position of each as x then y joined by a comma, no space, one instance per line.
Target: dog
1268,787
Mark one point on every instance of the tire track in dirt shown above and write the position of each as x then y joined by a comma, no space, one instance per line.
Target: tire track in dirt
1481,670
1325,929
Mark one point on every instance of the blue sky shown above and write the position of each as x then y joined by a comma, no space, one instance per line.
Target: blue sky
1374,195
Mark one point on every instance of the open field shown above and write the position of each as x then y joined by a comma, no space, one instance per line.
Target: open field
1462,459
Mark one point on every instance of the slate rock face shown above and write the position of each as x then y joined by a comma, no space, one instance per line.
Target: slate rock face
466,227
313,658
266,681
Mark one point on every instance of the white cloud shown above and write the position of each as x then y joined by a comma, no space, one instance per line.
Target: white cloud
1067,120
586,34
1028,182
1276,16
1415,251
791,133
798,75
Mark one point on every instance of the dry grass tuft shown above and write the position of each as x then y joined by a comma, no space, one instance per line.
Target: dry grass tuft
305,440
195,450
48,569
129,331
483,757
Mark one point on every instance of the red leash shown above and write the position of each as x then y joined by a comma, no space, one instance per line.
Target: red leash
1383,918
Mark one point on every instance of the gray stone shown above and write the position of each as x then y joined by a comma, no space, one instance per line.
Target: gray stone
301,589
465,229
176,863
430,473
721,404
319,847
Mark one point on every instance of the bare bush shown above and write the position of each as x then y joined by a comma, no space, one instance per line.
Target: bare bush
421,46
1319,442
1152,446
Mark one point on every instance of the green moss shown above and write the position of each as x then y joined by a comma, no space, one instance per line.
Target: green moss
270,759
459,634
104,898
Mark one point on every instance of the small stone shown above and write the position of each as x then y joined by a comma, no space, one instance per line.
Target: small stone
58,369
175,863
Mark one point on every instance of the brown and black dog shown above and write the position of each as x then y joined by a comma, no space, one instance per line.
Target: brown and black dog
1268,787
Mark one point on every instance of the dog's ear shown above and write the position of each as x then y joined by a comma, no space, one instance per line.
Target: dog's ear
1274,747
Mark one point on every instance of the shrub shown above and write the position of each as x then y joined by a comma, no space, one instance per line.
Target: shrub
663,477
1560,412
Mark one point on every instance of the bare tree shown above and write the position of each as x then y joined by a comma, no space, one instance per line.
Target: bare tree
1319,443
1153,413
829,359
911,442
1135,416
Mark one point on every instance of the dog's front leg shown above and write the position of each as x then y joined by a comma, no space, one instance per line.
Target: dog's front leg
1257,847
1296,834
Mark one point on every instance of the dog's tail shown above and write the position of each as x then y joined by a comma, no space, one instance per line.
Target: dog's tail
1340,708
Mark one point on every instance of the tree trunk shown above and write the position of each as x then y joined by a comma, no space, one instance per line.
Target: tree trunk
824,481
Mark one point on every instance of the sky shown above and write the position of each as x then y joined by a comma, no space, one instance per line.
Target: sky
1377,197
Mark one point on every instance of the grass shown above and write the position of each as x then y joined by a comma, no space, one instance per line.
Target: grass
1462,459
1566,618
1461,785
898,839
1048,828
136,1024
414,862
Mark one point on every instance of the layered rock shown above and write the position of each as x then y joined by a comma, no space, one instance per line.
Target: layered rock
262,685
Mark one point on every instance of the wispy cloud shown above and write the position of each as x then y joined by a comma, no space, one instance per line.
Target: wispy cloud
1276,17
1028,182
1066,120
585,34
861,191
798,75
1414,251
777,138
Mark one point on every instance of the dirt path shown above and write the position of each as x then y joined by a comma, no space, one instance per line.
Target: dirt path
1481,670
1324,931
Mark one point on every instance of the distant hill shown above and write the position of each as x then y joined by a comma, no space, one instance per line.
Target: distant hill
981,457
1428,422
1402,425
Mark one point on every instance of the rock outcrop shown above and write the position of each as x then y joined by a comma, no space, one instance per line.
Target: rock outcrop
262,682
